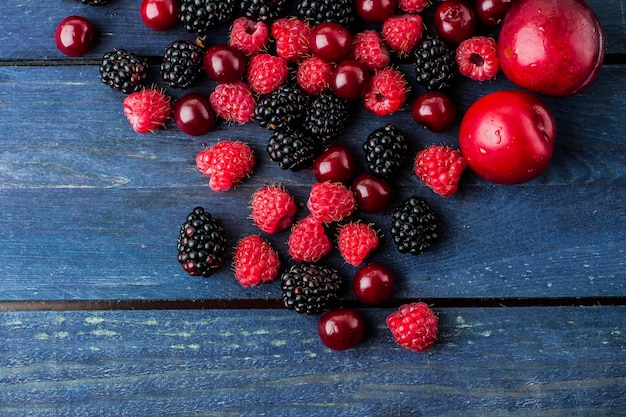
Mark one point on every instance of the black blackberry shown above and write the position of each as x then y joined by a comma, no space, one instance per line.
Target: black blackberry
182,64
292,150
95,2
310,288
124,71
262,10
413,226
201,244
203,16
327,117
385,151
319,11
282,109
435,64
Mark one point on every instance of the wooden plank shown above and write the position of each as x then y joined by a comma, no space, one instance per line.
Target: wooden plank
488,362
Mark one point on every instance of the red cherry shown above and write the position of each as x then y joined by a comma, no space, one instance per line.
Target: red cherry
372,194
434,110
334,164
224,63
349,79
375,11
330,41
491,12
373,284
159,14
74,36
341,329
194,115
455,21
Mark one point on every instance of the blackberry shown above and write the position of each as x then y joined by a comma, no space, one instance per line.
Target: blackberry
124,71
310,288
435,64
262,10
385,151
282,109
201,244
327,117
203,16
319,11
95,2
292,150
182,64
413,226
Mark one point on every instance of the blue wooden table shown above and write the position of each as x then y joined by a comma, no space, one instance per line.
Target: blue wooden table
98,318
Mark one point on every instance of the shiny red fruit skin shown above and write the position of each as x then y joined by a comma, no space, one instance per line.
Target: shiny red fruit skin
455,21
491,12
159,14
330,41
507,137
74,36
194,115
434,110
373,284
341,329
349,79
375,11
224,63
335,164
372,194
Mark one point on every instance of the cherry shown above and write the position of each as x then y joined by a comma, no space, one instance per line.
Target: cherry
341,329
375,11
349,79
434,110
74,36
224,63
159,14
491,12
335,164
330,41
194,115
372,194
373,283
455,21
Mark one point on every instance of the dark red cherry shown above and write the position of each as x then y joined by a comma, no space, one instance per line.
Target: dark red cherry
334,164
74,36
341,329
224,63
194,115
491,12
372,194
349,79
375,11
373,283
159,14
330,41
455,20
434,110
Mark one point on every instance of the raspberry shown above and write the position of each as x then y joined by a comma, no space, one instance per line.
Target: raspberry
386,93
248,36
147,110
413,6
308,241
330,202
313,75
266,72
402,32
440,168
233,102
368,47
356,241
477,58
292,38
226,164
255,261
273,209
414,326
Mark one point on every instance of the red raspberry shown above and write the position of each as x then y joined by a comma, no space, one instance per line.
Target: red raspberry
248,36
386,93
273,209
330,202
313,75
226,164
477,58
440,167
266,72
233,102
413,6
292,38
414,326
147,110
356,241
255,261
308,241
402,32
368,47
